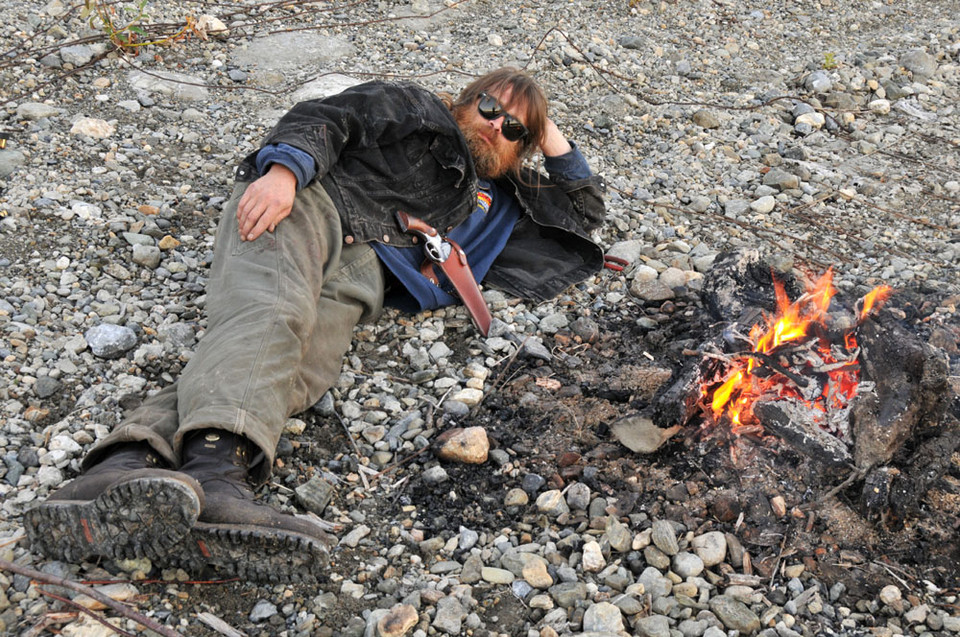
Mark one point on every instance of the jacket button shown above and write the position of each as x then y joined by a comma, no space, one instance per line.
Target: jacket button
386,238
348,239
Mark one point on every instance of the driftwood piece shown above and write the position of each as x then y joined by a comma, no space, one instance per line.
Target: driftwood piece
741,281
911,388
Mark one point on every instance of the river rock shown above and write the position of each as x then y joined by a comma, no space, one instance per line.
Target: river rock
920,63
110,341
665,537
469,446
33,111
92,127
734,614
711,547
603,617
593,560
653,626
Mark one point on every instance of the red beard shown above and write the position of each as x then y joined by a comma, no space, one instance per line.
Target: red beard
493,156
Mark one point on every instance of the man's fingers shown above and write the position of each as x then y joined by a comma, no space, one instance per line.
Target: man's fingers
253,214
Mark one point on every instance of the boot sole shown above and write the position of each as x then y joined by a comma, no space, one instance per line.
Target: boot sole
144,517
251,553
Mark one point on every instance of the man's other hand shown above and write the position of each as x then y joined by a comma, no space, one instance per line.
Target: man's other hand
266,202
554,143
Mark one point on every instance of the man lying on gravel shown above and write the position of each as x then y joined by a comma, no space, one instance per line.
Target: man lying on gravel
310,244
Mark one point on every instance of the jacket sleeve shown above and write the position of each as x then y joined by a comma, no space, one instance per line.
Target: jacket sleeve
586,195
571,173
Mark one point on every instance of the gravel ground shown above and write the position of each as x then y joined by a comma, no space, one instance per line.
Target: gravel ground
821,133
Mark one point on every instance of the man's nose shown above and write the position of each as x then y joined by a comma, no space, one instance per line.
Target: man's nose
497,123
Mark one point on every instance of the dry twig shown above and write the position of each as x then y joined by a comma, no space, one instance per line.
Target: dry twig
127,612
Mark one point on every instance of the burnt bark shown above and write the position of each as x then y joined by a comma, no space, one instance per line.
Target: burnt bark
740,281
893,495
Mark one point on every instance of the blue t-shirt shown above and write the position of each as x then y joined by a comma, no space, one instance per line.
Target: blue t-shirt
482,235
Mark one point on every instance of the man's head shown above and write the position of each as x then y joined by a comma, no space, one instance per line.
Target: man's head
505,98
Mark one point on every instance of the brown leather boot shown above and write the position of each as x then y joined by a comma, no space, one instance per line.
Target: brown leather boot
236,535
125,506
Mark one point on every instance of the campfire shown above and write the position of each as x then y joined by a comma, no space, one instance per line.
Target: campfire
847,385
797,353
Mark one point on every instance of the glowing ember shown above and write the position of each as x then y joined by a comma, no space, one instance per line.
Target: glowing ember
792,358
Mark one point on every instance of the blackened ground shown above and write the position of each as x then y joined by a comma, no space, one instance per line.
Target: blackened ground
704,477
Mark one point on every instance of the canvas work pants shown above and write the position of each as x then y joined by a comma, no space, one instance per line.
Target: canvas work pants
281,312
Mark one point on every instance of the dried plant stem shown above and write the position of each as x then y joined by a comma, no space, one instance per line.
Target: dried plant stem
127,612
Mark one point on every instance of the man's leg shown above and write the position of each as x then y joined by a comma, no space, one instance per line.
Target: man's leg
282,312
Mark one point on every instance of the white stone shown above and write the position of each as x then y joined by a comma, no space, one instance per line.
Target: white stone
207,25
468,396
880,107
816,120
604,618
764,204
93,127
593,560
645,273
552,503
711,547
890,594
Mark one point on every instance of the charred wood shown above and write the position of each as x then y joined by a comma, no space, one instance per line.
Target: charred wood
911,387
741,280
796,424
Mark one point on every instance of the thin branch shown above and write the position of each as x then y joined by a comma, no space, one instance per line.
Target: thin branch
129,613
89,613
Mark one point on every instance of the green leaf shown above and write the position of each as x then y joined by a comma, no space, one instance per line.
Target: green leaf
138,30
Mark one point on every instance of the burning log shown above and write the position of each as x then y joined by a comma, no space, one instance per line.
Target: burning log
797,424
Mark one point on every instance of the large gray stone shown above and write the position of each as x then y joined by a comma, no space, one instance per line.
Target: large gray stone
178,86
603,617
652,626
9,161
449,618
36,110
286,51
711,547
315,494
147,256
110,341
735,615
77,55
920,63
262,611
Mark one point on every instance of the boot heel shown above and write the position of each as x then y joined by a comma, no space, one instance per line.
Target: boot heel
141,517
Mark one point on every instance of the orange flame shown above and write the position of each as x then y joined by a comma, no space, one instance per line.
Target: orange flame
875,298
792,322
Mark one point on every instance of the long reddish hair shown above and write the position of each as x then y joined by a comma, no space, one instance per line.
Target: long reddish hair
525,93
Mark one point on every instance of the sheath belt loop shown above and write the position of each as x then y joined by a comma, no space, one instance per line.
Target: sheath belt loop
438,251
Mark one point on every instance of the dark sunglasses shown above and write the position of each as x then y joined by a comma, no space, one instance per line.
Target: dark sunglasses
511,129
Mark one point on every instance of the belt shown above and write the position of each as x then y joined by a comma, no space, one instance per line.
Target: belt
438,251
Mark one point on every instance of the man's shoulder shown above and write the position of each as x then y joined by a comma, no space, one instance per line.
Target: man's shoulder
396,88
